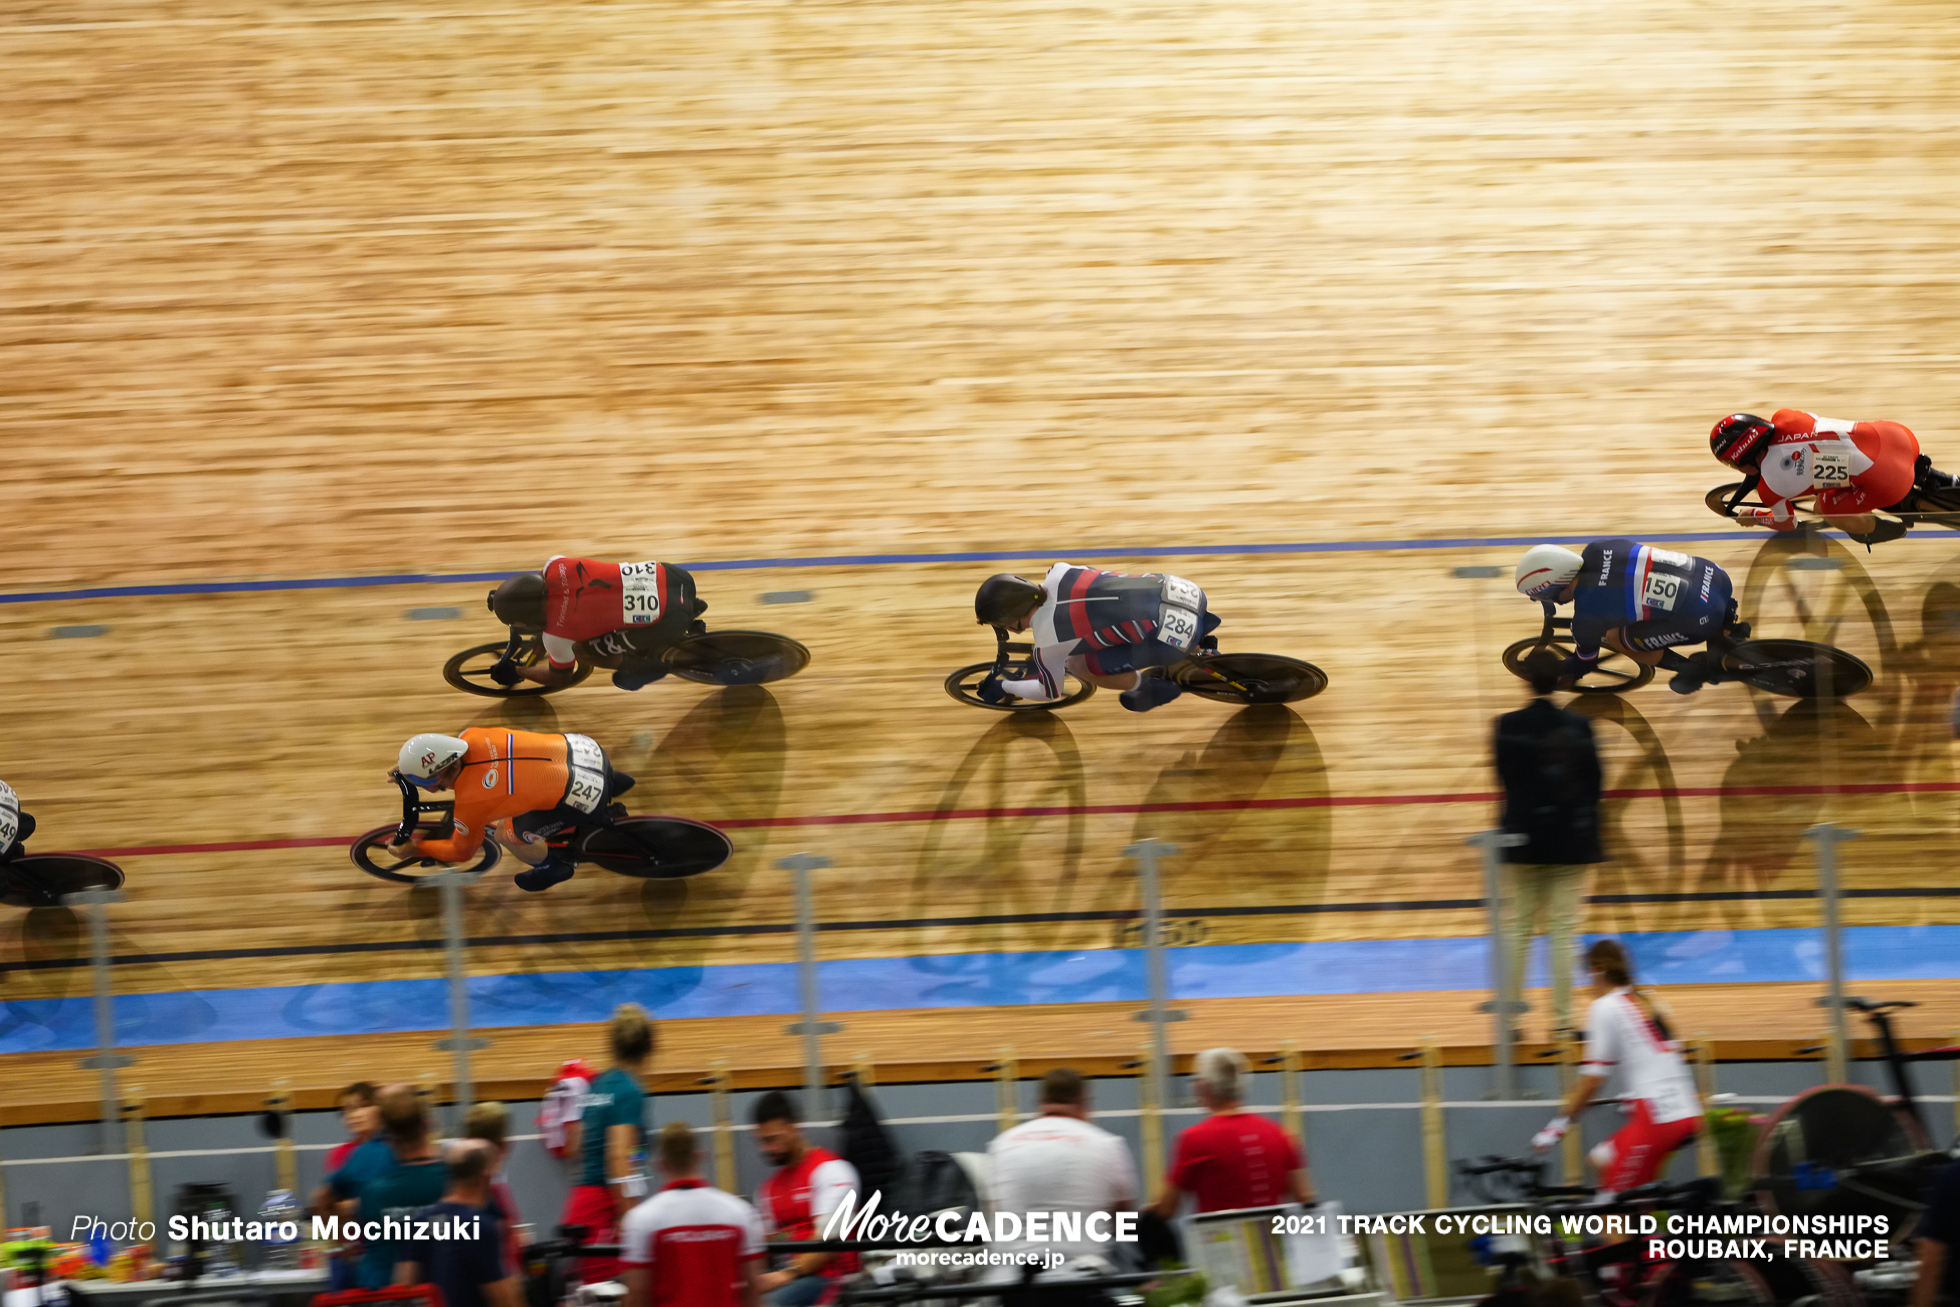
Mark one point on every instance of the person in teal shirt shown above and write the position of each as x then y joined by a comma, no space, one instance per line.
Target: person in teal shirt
395,1174
612,1138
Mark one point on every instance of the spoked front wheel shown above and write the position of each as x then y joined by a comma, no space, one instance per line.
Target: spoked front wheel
370,854
657,848
469,671
737,658
964,685
38,880
1250,678
1797,669
1614,674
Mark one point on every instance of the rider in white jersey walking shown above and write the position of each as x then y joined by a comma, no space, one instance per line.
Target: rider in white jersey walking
1626,1033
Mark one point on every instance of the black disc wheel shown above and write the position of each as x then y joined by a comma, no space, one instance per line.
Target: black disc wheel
1250,678
737,658
1797,669
469,671
38,880
964,685
370,854
1839,1149
1615,673
657,848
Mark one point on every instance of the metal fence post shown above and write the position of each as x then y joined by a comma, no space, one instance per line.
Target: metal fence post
1827,835
460,1042
1159,1014
1505,988
724,1126
811,1027
106,1060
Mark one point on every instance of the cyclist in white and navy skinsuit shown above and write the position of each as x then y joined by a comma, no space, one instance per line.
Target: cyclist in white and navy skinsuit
15,825
1110,629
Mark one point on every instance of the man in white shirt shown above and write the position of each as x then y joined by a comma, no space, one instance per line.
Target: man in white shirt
1059,1162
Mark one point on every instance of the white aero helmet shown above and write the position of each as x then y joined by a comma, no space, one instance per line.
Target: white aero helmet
426,757
1545,569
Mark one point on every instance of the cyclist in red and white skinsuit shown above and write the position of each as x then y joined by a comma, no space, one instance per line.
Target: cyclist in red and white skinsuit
626,615
1625,1033
1852,468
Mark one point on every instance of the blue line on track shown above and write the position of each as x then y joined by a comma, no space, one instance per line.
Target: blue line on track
841,560
1873,954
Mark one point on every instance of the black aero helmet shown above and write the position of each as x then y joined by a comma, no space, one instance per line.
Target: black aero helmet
520,600
1003,599
1739,437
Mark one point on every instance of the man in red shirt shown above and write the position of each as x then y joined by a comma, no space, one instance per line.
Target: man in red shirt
1232,1158
806,1187
618,615
690,1245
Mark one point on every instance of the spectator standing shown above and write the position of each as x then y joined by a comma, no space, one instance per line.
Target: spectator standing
490,1122
361,1118
1549,767
612,1140
396,1170
691,1245
469,1261
807,1185
1934,1239
1232,1158
1059,1162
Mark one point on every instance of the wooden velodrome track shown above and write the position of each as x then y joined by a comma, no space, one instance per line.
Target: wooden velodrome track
352,289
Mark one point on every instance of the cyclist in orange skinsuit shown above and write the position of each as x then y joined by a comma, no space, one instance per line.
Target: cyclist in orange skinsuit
526,788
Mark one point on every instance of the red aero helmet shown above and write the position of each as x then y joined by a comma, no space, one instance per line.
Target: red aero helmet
1739,437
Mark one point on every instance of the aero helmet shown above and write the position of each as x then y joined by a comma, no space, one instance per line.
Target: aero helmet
520,600
426,757
1545,569
1739,437
1003,599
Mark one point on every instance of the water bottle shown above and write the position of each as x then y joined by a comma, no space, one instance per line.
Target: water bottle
281,1253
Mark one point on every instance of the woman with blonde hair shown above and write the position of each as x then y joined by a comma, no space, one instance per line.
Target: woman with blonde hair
1627,1031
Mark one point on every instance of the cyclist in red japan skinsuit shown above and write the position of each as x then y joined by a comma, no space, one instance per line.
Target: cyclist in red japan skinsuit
1851,467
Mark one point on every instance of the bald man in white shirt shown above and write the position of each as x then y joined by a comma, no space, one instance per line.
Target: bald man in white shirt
1059,1162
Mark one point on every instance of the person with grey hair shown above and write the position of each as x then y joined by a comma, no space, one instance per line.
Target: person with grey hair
1232,1158
464,1255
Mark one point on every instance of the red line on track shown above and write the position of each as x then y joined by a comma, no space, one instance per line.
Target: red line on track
1123,809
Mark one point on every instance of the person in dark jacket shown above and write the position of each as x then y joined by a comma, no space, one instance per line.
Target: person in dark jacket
1550,770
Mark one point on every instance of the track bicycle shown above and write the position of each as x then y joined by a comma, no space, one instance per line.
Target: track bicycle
39,880
650,848
1238,678
1935,507
1621,1274
1795,669
703,656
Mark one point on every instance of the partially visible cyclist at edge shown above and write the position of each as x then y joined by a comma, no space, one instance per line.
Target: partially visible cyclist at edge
1115,631
1851,467
1639,601
535,794
15,825
626,614
1627,1034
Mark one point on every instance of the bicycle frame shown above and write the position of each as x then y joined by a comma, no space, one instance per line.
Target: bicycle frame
1896,1058
414,805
